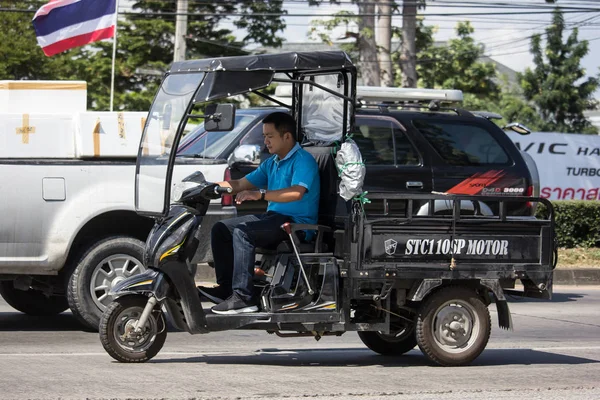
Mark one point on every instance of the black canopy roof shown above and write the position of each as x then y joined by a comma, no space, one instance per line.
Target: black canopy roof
283,62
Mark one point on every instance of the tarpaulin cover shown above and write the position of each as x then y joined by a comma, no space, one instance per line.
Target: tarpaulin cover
323,112
351,169
296,61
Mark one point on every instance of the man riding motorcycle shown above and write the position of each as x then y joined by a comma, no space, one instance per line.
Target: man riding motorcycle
289,181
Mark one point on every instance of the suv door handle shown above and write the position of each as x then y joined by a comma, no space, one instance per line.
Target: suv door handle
414,185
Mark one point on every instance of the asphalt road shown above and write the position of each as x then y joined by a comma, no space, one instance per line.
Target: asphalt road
554,353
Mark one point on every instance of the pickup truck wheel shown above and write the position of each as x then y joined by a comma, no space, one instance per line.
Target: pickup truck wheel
32,302
105,264
453,326
400,340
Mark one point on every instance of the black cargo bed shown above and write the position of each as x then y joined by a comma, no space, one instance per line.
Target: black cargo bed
455,246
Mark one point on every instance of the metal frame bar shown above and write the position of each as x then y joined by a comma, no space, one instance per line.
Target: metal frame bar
302,82
266,96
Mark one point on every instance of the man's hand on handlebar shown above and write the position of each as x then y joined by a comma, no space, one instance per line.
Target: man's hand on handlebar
247,195
238,185
223,190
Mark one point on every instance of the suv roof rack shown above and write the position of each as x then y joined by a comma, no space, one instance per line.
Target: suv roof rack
370,94
434,105
377,94
487,114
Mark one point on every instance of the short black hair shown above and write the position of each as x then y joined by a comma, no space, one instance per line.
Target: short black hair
283,123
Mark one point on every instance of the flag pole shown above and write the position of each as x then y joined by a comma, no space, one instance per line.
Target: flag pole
114,56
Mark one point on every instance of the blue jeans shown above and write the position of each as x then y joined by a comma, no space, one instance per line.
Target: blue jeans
233,243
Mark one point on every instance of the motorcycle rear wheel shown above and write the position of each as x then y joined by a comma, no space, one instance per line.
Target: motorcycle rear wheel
119,339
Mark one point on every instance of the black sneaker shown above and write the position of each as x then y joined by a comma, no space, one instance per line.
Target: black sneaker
235,305
216,294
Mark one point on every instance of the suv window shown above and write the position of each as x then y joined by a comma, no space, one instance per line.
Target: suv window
461,143
377,137
255,136
202,144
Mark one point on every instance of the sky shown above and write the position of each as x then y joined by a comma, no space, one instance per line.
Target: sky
506,37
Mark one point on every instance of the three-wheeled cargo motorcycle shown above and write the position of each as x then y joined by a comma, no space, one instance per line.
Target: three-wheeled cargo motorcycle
398,277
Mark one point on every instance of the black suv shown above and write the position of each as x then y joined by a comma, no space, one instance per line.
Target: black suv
423,152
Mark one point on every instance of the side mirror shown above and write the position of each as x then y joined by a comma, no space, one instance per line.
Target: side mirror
517,127
246,154
219,117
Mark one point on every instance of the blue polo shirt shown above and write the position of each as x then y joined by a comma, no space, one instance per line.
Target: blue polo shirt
298,167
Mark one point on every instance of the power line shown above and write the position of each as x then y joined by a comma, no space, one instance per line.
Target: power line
442,3
513,41
268,14
438,3
239,14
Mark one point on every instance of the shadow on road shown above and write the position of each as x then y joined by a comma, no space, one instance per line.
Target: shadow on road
15,321
528,357
353,357
556,298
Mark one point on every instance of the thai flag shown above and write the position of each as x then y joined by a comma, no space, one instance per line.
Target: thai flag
63,24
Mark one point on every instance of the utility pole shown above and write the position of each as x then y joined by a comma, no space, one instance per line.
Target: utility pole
368,62
408,57
181,20
384,42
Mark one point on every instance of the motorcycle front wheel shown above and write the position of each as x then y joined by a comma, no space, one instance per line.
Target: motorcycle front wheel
119,337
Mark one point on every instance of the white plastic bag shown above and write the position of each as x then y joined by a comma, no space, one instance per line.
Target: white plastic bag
351,170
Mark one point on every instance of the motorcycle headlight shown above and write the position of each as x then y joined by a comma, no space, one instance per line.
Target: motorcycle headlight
178,189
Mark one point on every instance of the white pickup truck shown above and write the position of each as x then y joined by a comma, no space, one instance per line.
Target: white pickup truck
68,229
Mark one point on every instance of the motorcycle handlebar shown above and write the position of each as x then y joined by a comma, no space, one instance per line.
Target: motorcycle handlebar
222,190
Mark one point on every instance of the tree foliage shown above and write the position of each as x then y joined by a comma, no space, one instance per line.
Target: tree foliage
362,48
145,46
577,223
457,65
423,41
552,96
20,56
510,104
556,84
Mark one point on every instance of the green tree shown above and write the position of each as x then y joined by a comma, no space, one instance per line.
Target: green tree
409,53
363,50
423,43
146,44
510,104
556,84
456,65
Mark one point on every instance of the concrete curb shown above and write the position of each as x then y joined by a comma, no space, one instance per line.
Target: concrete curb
580,276
577,277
